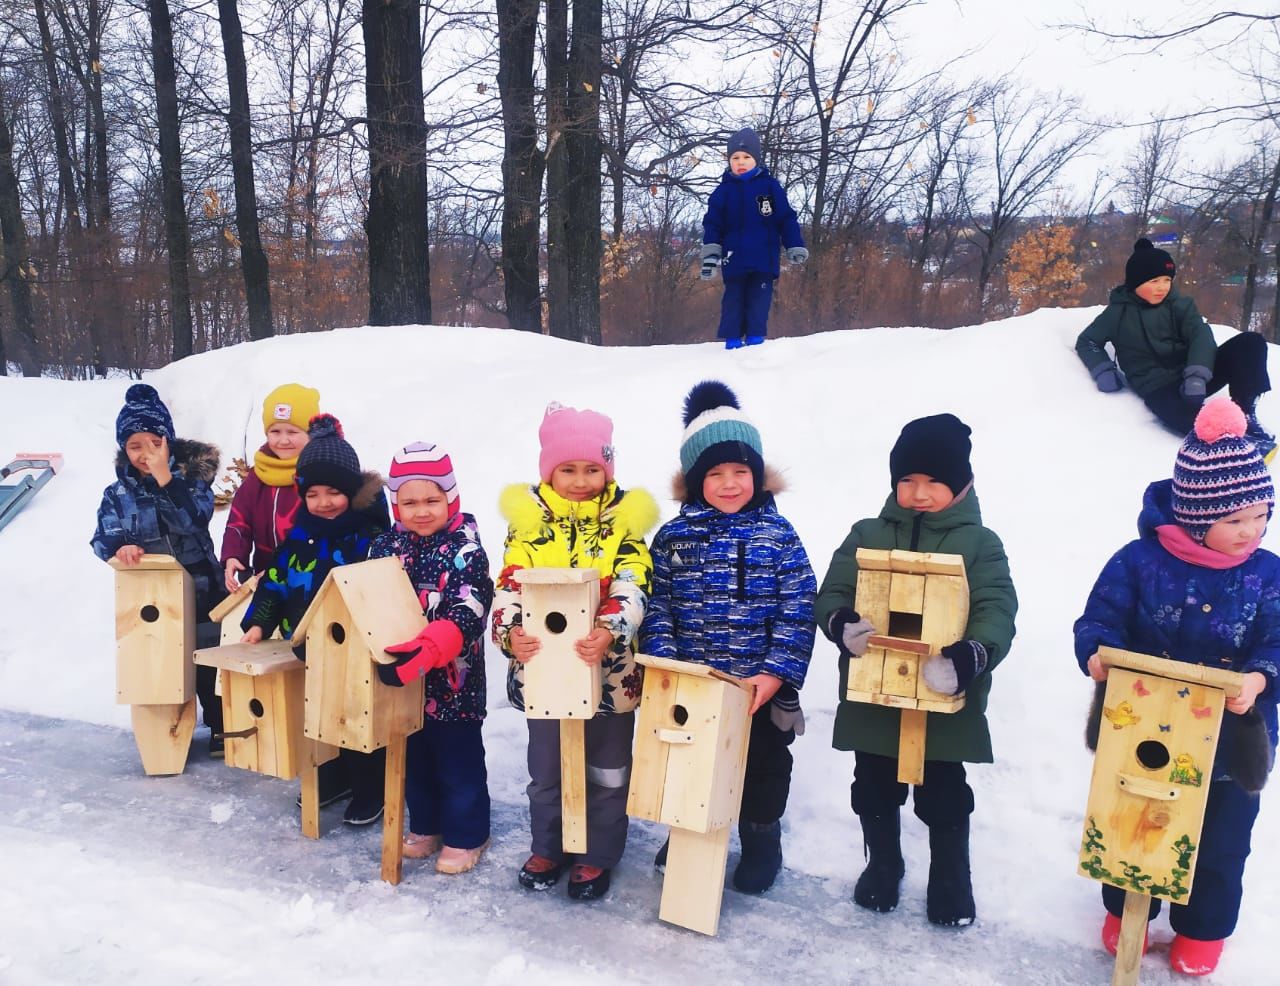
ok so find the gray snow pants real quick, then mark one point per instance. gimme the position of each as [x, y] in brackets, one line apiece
[608, 746]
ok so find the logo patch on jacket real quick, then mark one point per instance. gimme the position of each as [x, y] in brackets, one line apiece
[765, 204]
[686, 553]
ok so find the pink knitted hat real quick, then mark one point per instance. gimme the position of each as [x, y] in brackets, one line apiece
[1218, 471]
[568, 435]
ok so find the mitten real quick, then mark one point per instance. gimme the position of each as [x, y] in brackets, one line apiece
[1195, 383]
[850, 632]
[1107, 377]
[438, 645]
[797, 255]
[710, 260]
[951, 671]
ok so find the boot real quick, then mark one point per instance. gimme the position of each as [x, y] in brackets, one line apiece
[1111, 934]
[588, 882]
[1192, 957]
[761, 856]
[950, 895]
[877, 888]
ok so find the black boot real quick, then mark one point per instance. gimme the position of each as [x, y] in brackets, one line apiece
[761, 856]
[950, 900]
[877, 888]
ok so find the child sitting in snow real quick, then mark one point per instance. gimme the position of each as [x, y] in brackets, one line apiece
[748, 218]
[446, 784]
[161, 503]
[577, 516]
[262, 509]
[733, 589]
[1167, 352]
[341, 511]
[1196, 587]
[932, 507]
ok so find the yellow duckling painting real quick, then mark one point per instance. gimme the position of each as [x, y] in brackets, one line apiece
[1122, 715]
[1185, 771]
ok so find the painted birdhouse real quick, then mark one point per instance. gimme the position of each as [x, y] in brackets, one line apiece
[558, 606]
[1151, 773]
[360, 610]
[690, 757]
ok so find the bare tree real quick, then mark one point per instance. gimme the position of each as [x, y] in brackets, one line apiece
[1150, 172]
[14, 262]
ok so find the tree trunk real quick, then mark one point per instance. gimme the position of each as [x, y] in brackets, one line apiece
[253, 259]
[522, 163]
[13, 270]
[176, 235]
[399, 275]
[582, 154]
[557, 59]
[1255, 248]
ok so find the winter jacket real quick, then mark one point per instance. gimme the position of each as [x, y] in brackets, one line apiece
[170, 520]
[1149, 601]
[313, 547]
[958, 736]
[450, 572]
[261, 516]
[1153, 343]
[751, 219]
[605, 533]
[733, 591]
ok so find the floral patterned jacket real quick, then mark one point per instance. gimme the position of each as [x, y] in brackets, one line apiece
[605, 533]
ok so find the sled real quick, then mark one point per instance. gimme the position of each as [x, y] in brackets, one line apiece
[40, 467]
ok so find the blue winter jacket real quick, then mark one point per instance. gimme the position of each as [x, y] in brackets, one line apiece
[732, 591]
[1149, 601]
[751, 219]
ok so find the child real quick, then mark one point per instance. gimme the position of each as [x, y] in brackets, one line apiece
[733, 588]
[932, 507]
[1167, 351]
[578, 517]
[748, 217]
[263, 507]
[340, 513]
[1196, 587]
[161, 503]
[446, 785]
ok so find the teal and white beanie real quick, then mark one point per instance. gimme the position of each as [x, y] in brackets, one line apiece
[716, 431]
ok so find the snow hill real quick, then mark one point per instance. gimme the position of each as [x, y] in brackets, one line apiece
[110, 877]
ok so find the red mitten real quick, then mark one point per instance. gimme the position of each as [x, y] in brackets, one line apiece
[437, 646]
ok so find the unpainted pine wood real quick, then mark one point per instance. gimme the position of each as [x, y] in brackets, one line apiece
[153, 657]
[873, 559]
[266, 657]
[686, 667]
[556, 576]
[163, 736]
[240, 751]
[911, 739]
[906, 593]
[866, 674]
[649, 762]
[942, 564]
[946, 616]
[693, 887]
[291, 745]
[573, 785]
[393, 811]
[382, 602]
[1229, 681]
[901, 674]
[733, 737]
[871, 597]
[237, 601]
[557, 683]
[1133, 928]
[909, 562]
[311, 800]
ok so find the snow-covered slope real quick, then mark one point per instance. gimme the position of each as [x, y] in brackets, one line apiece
[1060, 469]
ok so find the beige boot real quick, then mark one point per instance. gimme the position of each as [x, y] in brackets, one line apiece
[460, 860]
[420, 846]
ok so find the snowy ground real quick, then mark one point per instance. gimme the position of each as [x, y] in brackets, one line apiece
[111, 877]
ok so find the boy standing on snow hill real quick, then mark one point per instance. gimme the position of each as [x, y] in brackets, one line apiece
[748, 218]
[1167, 352]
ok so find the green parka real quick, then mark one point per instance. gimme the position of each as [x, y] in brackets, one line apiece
[957, 530]
[1153, 343]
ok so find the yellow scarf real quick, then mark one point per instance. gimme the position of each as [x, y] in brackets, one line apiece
[273, 470]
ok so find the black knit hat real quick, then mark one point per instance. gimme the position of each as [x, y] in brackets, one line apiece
[328, 458]
[747, 140]
[1146, 263]
[143, 411]
[936, 446]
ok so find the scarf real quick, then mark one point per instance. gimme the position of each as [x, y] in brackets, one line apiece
[273, 470]
[1181, 545]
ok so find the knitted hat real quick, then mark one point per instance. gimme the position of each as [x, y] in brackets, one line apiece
[1218, 471]
[569, 435]
[143, 411]
[1146, 263]
[291, 404]
[328, 459]
[936, 446]
[421, 460]
[747, 140]
[716, 432]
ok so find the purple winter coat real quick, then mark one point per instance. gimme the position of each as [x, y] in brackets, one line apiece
[261, 516]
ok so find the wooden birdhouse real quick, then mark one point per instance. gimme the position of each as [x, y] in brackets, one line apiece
[1151, 776]
[920, 603]
[558, 606]
[690, 757]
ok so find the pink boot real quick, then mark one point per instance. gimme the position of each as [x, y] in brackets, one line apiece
[420, 846]
[1192, 957]
[1111, 934]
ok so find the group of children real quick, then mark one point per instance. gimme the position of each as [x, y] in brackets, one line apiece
[726, 583]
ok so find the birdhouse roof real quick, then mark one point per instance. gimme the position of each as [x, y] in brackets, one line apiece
[224, 608]
[556, 576]
[266, 657]
[688, 667]
[1229, 681]
[379, 598]
[149, 563]
[910, 562]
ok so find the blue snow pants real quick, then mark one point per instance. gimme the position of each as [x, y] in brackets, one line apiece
[744, 307]
[446, 785]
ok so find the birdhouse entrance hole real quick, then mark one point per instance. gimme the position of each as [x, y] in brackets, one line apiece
[556, 622]
[1152, 754]
[256, 709]
[679, 714]
[150, 614]
[906, 626]
[337, 632]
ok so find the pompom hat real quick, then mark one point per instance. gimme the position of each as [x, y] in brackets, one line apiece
[570, 435]
[143, 411]
[328, 458]
[717, 432]
[422, 460]
[1218, 471]
[290, 404]
[1147, 263]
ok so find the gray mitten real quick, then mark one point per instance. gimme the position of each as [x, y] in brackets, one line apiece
[850, 632]
[1107, 377]
[710, 260]
[797, 255]
[1195, 382]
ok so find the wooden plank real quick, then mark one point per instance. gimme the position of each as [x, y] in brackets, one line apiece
[906, 593]
[733, 738]
[556, 576]
[649, 762]
[688, 667]
[940, 564]
[946, 617]
[871, 598]
[393, 811]
[241, 597]
[240, 751]
[901, 675]
[163, 735]
[866, 675]
[557, 683]
[1133, 931]
[872, 559]
[900, 644]
[311, 800]
[1230, 682]
[946, 706]
[911, 738]
[382, 602]
[573, 785]
[267, 657]
[149, 563]
[693, 888]
[155, 636]
[908, 562]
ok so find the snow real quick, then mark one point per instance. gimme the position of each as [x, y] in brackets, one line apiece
[112, 877]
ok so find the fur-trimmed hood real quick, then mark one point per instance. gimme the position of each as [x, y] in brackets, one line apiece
[195, 460]
[370, 489]
[774, 483]
[528, 508]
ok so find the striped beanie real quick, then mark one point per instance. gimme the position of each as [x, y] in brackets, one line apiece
[716, 431]
[422, 460]
[1218, 471]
